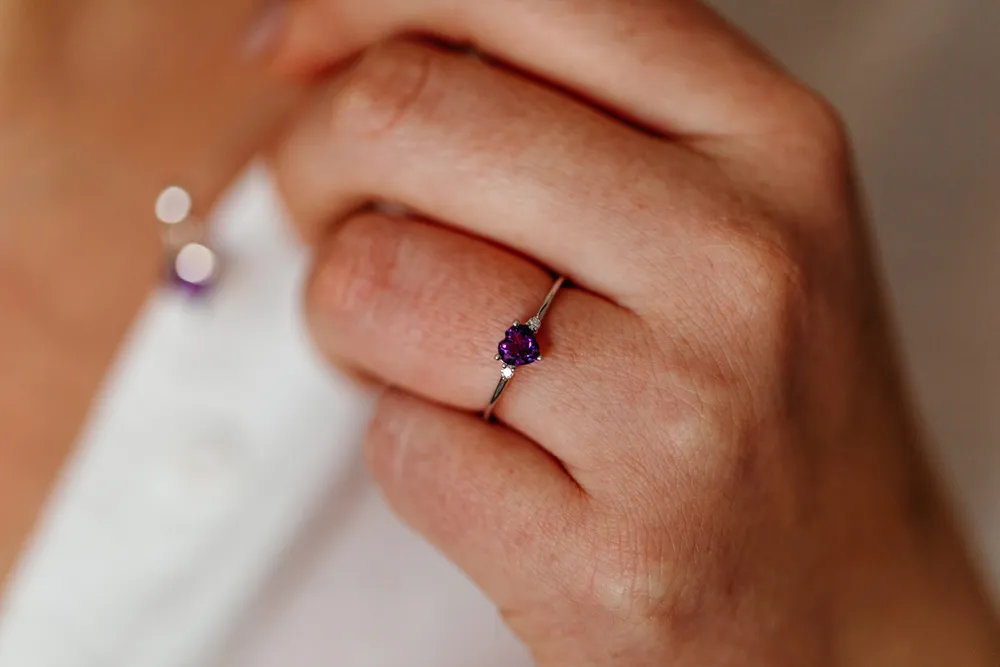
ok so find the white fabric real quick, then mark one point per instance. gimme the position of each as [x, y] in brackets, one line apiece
[172, 541]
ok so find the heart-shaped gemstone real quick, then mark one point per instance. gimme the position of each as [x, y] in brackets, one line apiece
[520, 346]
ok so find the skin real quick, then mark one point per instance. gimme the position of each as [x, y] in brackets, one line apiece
[91, 130]
[715, 464]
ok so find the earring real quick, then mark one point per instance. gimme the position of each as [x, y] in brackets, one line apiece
[191, 265]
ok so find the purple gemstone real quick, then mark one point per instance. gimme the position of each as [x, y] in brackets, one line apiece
[194, 269]
[520, 347]
[188, 287]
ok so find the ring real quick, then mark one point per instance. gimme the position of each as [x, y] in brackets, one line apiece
[520, 347]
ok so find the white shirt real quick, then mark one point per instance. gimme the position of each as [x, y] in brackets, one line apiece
[217, 512]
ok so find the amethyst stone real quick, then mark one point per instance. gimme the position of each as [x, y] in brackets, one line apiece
[194, 269]
[189, 287]
[520, 346]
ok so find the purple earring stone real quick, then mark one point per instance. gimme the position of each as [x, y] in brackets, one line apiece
[194, 269]
[189, 287]
[192, 265]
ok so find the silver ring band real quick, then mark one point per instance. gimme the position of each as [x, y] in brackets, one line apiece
[520, 347]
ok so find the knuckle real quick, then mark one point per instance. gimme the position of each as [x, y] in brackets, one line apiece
[355, 269]
[771, 265]
[768, 286]
[818, 123]
[390, 86]
[630, 578]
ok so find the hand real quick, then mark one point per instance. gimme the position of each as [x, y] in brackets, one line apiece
[715, 464]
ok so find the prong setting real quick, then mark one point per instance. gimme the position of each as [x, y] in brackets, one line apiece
[520, 348]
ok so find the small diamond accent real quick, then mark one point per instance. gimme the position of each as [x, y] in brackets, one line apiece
[534, 324]
[507, 372]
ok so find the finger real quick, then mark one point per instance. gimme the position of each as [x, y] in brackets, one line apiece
[423, 308]
[477, 147]
[494, 503]
[671, 65]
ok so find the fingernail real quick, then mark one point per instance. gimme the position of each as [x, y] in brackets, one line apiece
[266, 30]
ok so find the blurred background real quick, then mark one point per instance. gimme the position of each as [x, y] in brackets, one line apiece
[250, 536]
